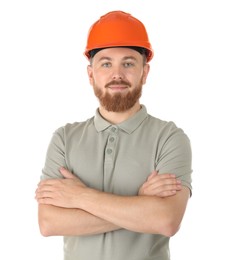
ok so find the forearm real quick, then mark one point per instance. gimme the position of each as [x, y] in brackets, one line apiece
[57, 221]
[146, 214]
[106, 212]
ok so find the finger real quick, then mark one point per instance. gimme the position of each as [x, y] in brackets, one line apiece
[47, 201]
[166, 176]
[153, 174]
[67, 174]
[165, 184]
[167, 188]
[167, 193]
[161, 180]
[48, 182]
[40, 191]
[43, 195]
[161, 188]
[155, 177]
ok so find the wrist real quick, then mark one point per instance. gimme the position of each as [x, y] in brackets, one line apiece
[88, 198]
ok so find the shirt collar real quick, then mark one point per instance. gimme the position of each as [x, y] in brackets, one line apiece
[128, 125]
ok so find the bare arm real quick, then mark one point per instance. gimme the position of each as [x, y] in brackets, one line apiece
[159, 215]
[58, 221]
[66, 219]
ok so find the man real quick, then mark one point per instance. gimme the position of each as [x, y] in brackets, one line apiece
[117, 185]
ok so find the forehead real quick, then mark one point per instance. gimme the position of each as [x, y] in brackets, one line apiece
[119, 53]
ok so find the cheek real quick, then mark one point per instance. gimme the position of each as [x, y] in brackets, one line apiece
[101, 79]
[95, 76]
[139, 78]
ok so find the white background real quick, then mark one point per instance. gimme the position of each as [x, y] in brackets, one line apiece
[43, 85]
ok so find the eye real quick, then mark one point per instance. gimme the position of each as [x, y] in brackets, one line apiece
[128, 64]
[106, 64]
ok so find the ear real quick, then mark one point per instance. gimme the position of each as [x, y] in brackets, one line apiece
[146, 69]
[90, 74]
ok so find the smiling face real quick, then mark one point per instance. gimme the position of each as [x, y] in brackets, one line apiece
[117, 76]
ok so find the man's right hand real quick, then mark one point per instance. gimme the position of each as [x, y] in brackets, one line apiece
[160, 185]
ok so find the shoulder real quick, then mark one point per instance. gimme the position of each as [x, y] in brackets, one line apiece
[170, 139]
[165, 129]
[74, 128]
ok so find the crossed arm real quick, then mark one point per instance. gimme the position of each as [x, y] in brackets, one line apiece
[68, 207]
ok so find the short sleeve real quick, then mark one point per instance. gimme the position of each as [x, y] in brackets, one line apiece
[175, 155]
[55, 156]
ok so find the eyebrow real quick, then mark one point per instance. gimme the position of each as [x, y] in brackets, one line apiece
[130, 58]
[124, 58]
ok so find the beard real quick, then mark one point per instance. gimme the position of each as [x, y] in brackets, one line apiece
[118, 102]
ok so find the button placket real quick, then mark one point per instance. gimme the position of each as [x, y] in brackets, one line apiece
[110, 154]
[110, 147]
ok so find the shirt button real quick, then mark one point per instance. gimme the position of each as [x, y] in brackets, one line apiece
[111, 139]
[113, 129]
[109, 151]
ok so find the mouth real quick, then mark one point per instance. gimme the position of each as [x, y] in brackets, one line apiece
[118, 87]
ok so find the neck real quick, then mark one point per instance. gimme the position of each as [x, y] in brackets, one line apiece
[118, 117]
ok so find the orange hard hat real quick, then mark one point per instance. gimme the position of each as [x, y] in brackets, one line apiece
[116, 29]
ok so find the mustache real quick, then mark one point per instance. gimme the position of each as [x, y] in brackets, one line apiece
[117, 82]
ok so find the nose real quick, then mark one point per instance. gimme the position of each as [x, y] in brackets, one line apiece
[117, 73]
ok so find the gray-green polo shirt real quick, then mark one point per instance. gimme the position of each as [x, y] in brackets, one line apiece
[118, 159]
